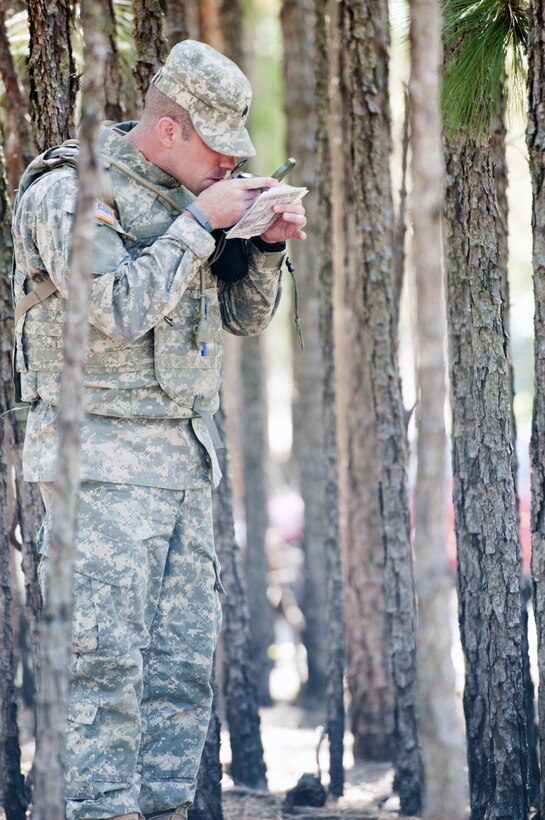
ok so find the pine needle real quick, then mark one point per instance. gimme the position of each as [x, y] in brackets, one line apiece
[485, 43]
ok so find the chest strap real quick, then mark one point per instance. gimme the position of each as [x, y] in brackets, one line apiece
[37, 295]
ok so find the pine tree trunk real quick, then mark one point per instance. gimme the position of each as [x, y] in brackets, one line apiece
[55, 625]
[52, 72]
[12, 795]
[440, 720]
[19, 149]
[369, 670]
[177, 28]
[113, 78]
[536, 145]
[484, 489]
[207, 802]
[308, 432]
[149, 42]
[231, 27]
[254, 453]
[334, 603]
[501, 178]
[380, 593]
[239, 678]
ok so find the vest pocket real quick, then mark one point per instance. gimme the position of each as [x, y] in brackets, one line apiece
[180, 366]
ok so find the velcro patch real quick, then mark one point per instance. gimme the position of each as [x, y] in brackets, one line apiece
[104, 212]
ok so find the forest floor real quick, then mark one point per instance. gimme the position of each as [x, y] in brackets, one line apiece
[290, 738]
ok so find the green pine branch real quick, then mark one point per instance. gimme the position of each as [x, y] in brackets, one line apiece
[485, 45]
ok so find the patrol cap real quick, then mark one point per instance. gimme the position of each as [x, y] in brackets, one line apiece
[214, 91]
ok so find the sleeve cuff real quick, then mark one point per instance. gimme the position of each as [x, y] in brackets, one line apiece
[196, 238]
[268, 247]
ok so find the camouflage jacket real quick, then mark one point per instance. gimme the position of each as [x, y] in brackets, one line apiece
[149, 263]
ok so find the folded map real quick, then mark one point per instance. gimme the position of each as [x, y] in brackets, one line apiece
[260, 216]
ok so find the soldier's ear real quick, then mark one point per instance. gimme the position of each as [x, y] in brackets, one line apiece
[166, 131]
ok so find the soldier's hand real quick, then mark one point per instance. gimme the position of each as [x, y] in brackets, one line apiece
[225, 202]
[289, 225]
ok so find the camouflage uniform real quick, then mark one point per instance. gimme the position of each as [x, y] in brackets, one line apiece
[146, 614]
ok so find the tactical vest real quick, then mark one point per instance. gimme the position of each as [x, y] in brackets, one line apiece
[178, 362]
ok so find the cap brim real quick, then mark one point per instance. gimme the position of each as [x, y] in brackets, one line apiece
[234, 143]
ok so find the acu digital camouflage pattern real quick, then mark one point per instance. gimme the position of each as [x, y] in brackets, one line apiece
[146, 620]
[143, 362]
[146, 613]
[214, 91]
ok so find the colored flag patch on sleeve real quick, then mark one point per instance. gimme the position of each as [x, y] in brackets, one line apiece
[104, 212]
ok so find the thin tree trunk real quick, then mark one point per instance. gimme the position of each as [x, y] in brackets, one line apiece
[380, 594]
[55, 626]
[19, 149]
[12, 795]
[254, 453]
[335, 641]
[484, 490]
[149, 42]
[113, 79]
[536, 145]
[231, 16]
[53, 77]
[239, 679]
[177, 27]
[440, 720]
[210, 23]
[308, 432]
[207, 802]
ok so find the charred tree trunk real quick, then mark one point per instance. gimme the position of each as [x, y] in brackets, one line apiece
[440, 719]
[53, 78]
[308, 431]
[334, 604]
[239, 679]
[536, 147]
[207, 802]
[55, 625]
[484, 488]
[149, 42]
[380, 592]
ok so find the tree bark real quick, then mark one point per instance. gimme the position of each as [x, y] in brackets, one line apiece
[55, 625]
[207, 802]
[239, 678]
[52, 73]
[536, 146]
[113, 79]
[149, 42]
[12, 795]
[177, 27]
[380, 593]
[334, 604]
[19, 148]
[308, 432]
[255, 453]
[484, 488]
[440, 720]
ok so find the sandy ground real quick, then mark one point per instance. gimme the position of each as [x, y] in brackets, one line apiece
[290, 738]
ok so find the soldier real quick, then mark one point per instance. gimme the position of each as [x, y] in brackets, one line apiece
[146, 610]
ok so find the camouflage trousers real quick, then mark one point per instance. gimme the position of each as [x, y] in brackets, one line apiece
[145, 624]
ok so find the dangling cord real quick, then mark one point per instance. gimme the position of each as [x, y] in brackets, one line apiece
[296, 316]
[201, 329]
